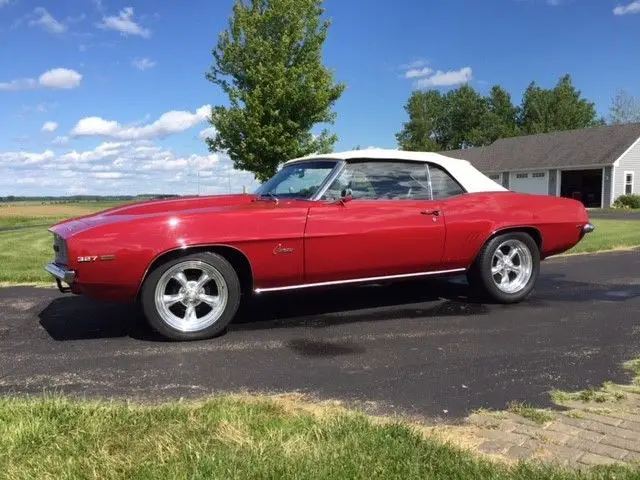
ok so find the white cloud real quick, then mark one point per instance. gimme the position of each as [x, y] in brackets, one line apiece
[418, 72]
[60, 140]
[207, 133]
[124, 24]
[57, 78]
[46, 21]
[4, 2]
[143, 63]
[60, 78]
[128, 167]
[446, 79]
[25, 158]
[19, 84]
[631, 8]
[50, 127]
[111, 175]
[169, 123]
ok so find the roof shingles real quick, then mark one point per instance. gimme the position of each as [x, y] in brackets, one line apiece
[588, 147]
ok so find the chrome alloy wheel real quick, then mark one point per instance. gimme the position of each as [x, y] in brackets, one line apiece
[512, 266]
[191, 296]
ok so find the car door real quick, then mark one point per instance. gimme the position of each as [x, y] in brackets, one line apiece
[388, 224]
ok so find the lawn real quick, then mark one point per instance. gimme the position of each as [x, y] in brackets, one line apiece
[610, 234]
[233, 437]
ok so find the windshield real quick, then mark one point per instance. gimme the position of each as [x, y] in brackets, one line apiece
[298, 180]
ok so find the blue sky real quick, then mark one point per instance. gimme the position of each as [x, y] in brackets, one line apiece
[109, 96]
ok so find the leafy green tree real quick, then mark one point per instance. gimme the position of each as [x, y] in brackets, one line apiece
[444, 122]
[462, 123]
[557, 109]
[624, 109]
[501, 119]
[269, 64]
[422, 132]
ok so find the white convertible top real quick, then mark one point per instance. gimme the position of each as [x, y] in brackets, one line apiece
[469, 177]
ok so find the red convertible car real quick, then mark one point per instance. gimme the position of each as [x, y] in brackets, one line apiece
[335, 219]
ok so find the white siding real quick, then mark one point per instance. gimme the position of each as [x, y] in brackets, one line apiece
[628, 162]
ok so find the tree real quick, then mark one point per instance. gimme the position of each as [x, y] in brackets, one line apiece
[423, 130]
[624, 109]
[444, 122]
[462, 122]
[501, 119]
[269, 64]
[557, 109]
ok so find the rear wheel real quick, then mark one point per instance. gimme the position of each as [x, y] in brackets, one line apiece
[192, 297]
[507, 268]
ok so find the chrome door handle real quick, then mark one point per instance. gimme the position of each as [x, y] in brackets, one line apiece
[435, 213]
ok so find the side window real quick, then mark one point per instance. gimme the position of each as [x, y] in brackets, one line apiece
[382, 181]
[442, 184]
[628, 183]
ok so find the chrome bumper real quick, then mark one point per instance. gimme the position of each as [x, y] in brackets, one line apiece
[588, 228]
[61, 275]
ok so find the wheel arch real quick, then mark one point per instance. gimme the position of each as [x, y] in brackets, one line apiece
[533, 232]
[236, 257]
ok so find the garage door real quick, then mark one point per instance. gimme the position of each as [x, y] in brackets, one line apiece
[530, 182]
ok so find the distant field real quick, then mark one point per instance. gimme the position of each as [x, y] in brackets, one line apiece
[24, 214]
[35, 209]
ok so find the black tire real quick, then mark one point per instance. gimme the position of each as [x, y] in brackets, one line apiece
[483, 282]
[161, 322]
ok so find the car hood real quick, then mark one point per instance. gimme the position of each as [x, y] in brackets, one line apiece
[179, 207]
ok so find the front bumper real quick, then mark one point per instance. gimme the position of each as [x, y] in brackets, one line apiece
[588, 228]
[61, 274]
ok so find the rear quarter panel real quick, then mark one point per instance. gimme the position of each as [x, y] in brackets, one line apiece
[472, 219]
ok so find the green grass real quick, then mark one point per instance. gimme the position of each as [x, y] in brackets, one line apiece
[534, 414]
[24, 253]
[29, 221]
[229, 437]
[609, 235]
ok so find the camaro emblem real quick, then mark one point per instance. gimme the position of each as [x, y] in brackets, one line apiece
[280, 249]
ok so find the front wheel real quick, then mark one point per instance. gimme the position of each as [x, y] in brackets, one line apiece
[192, 297]
[507, 267]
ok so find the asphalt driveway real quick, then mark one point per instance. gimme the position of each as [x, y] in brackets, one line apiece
[418, 348]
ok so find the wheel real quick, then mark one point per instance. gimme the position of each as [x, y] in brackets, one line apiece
[506, 268]
[192, 297]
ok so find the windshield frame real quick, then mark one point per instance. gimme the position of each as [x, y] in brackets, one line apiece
[328, 180]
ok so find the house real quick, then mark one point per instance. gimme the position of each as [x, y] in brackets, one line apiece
[593, 165]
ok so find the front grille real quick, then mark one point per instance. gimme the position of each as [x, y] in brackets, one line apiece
[60, 247]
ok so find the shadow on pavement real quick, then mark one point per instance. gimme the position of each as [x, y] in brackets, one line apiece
[77, 318]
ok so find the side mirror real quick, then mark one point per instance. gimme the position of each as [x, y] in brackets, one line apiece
[345, 199]
[346, 196]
